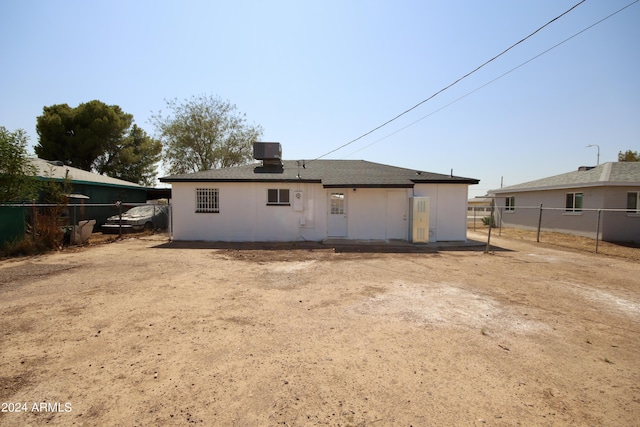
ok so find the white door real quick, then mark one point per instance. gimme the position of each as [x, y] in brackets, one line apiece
[337, 221]
[397, 224]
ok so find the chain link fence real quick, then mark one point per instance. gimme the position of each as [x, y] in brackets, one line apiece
[611, 225]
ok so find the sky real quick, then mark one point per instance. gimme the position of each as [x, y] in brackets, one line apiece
[319, 74]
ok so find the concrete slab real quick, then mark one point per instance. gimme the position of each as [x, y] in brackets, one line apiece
[403, 245]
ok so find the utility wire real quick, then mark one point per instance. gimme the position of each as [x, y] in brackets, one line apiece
[452, 84]
[495, 79]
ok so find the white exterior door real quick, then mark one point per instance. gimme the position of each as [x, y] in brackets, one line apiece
[397, 205]
[337, 218]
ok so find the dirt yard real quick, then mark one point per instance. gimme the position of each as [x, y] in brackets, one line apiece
[142, 332]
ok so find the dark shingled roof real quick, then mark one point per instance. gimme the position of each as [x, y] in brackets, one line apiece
[611, 174]
[330, 173]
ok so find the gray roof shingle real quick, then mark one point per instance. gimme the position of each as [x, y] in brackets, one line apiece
[611, 173]
[330, 173]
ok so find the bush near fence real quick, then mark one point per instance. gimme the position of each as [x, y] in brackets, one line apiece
[49, 221]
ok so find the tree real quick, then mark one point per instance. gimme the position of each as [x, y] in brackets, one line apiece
[204, 133]
[628, 156]
[97, 137]
[17, 173]
[79, 136]
[134, 160]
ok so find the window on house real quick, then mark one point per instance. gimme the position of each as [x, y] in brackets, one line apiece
[573, 202]
[207, 200]
[510, 204]
[633, 202]
[337, 203]
[278, 196]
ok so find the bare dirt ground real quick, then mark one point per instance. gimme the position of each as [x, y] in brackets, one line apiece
[142, 332]
[567, 242]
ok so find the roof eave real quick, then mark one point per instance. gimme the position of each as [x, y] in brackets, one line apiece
[133, 186]
[468, 181]
[367, 185]
[169, 179]
[566, 187]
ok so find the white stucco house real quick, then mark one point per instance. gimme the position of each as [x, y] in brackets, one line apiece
[279, 200]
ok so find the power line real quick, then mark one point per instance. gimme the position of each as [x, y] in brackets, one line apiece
[495, 79]
[454, 83]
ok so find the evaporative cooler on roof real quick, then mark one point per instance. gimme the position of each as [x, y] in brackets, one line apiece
[267, 151]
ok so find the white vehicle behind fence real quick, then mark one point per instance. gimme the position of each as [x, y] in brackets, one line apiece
[139, 218]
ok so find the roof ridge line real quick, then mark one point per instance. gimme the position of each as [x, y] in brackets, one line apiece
[606, 172]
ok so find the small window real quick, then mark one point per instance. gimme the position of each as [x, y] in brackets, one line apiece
[207, 200]
[573, 202]
[633, 202]
[278, 196]
[337, 203]
[510, 204]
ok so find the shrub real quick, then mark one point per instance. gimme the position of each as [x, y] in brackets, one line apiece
[487, 219]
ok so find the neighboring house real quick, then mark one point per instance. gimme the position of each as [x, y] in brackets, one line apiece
[316, 200]
[100, 189]
[480, 204]
[577, 196]
[478, 208]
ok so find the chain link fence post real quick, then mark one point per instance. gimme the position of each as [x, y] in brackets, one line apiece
[598, 230]
[493, 203]
[539, 224]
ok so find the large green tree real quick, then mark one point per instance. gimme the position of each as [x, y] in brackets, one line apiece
[134, 159]
[204, 132]
[17, 173]
[628, 156]
[98, 137]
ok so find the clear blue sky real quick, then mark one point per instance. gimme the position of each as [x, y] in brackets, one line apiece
[317, 74]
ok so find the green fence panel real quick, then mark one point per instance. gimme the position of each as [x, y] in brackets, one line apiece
[12, 225]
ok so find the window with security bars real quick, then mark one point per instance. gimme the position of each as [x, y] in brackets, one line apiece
[573, 202]
[207, 200]
[633, 202]
[278, 196]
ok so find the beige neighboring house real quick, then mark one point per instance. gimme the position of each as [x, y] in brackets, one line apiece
[480, 205]
[478, 208]
[576, 197]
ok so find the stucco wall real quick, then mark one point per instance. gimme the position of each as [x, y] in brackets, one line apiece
[447, 210]
[374, 213]
[620, 226]
[244, 214]
[526, 213]
[614, 226]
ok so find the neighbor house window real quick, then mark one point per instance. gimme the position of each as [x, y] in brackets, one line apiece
[207, 200]
[633, 202]
[510, 204]
[573, 202]
[278, 196]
